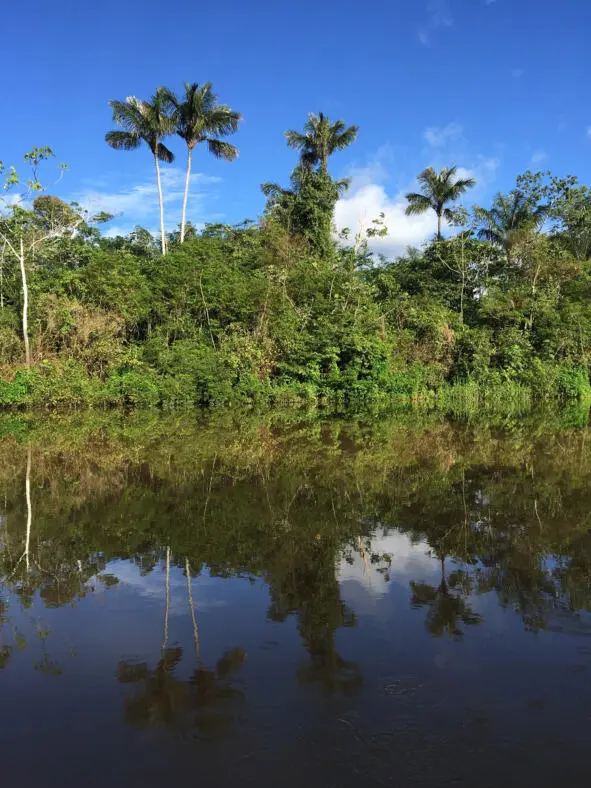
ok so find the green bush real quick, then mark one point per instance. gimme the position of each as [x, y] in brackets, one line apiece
[16, 391]
[573, 383]
[138, 388]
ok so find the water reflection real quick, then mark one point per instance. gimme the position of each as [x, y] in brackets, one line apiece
[347, 559]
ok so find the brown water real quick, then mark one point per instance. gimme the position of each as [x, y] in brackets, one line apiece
[288, 601]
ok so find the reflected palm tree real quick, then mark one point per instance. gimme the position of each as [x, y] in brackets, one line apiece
[162, 698]
[447, 607]
[192, 609]
[199, 703]
[29, 507]
[166, 599]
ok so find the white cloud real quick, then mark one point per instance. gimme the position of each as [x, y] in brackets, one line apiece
[152, 586]
[368, 197]
[138, 204]
[438, 137]
[538, 156]
[409, 561]
[367, 201]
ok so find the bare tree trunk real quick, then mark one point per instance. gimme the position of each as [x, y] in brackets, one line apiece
[2, 276]
[25, 304]
[192, 606]
[186, 195]
[161, 202]
[29, 508]
[167, 600]
[438, 226]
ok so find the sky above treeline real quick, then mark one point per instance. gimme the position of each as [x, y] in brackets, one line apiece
[494, 86]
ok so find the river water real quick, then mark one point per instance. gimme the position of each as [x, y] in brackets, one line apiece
[295, 600]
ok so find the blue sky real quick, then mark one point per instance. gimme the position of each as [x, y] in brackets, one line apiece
[495, 86]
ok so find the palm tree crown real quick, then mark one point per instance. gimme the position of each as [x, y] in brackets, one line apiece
[438, 190]
[509, 219]
[147, 122]
[198, 118]
[321, 139]
[142, 121]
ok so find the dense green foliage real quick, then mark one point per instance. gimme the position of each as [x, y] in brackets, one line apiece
[282, 310]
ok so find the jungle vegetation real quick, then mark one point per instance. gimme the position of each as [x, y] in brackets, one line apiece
[284, 309]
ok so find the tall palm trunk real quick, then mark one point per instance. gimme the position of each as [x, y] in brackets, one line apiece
[439, 225]
[166, 601]
[192, 608]
[186, 195]
[161, 202]
[25, 303]
[29, 508]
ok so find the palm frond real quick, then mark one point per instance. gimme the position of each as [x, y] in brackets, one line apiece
[123, 140]
[222, 121]
[270, 189]
[459, 187]
[345, 138]
[164, 154]
[447, 174]
[342, 186]
[427, 177]
[169, 98]
[417, 204]
[127, 113]
[222, 150]
[492, 236]
[296, 140]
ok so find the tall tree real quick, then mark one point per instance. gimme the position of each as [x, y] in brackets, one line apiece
[307, 208]
[200, 119]
[509, 219]
[145, 122]
[24, 232]
[439, 189]
[321, 139]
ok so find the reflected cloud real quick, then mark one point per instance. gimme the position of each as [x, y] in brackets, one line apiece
[152, 585]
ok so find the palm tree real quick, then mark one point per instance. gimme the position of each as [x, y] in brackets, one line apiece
[446, 610]
[148, 122]
[321, 139]
[199, 118]
[439, 189]
[510, 218]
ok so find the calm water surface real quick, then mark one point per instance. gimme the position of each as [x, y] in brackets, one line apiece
[288, 601]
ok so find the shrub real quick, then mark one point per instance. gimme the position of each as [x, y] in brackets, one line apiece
[573, 383]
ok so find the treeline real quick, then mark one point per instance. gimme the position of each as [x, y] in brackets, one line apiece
[495, 305]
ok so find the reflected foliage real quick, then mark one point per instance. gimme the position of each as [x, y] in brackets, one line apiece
[204, 703]
[502, 508]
